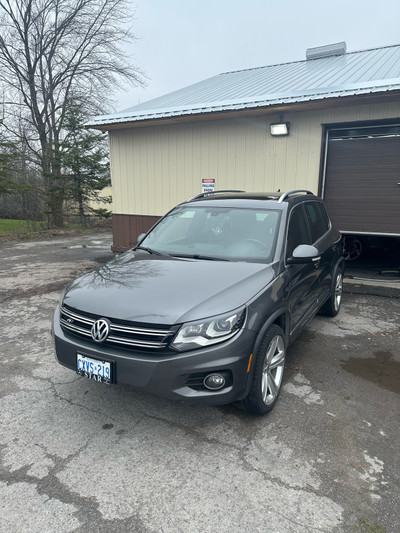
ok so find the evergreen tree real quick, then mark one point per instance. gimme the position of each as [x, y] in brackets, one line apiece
[85, 165]
[8, 169]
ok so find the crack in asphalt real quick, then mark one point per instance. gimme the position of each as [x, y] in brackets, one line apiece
[88, 512]
[71, 402]
[87, 508]
[199, 437]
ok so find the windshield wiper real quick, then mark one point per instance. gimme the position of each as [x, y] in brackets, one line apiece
[199, 256]
[150, 250]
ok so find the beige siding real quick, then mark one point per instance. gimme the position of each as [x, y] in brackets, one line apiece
[154, 168]
[105, 193]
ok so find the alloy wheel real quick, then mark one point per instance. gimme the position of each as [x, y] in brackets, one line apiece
[338, 291]
[273, 367]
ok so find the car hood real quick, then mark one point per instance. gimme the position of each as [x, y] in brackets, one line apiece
[165, 290]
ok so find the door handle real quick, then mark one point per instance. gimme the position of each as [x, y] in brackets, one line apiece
[316, 261]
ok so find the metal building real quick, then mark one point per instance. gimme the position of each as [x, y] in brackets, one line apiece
[338, 115]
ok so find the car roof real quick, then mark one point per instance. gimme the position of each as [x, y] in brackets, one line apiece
[248, 199]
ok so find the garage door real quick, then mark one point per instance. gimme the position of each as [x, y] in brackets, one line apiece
[362, 180]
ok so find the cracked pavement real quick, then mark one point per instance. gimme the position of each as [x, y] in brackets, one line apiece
[80, 456]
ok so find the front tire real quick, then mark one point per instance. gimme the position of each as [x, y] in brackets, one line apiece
[268, 373]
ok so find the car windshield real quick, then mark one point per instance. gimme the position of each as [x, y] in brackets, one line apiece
[215, 233]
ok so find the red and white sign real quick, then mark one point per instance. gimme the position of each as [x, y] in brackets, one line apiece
[207, 185]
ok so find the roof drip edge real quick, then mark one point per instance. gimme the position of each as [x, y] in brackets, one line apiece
[236, 105]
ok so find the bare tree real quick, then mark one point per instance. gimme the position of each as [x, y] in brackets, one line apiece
[51, 50]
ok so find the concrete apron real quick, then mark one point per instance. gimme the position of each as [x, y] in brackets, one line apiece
[382, 283]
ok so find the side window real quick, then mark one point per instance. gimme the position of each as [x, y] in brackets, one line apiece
[326, 223]
[298, 230]
[318, 219]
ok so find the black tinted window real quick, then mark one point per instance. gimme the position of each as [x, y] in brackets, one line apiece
[298, 230]
[318, 219]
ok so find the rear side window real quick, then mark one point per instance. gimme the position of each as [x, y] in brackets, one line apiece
[317, 218]
[298, 230]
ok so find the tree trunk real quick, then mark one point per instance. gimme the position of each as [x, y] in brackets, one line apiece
[53, 183]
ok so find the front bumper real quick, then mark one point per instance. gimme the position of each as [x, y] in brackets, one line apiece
[167, 375]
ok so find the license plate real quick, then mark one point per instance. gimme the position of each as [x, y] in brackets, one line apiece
[93, 369]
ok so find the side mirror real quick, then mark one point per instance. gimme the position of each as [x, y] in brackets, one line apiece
[140, 238]
[304, 253]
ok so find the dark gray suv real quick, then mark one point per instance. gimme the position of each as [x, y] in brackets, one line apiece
[204, 307]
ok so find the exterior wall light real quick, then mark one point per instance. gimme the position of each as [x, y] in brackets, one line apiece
[281, 128]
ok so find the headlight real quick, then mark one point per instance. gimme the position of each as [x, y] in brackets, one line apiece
[209, 331]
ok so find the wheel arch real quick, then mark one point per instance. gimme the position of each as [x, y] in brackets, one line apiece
[258, 384]
[340, 265]
[281, 318]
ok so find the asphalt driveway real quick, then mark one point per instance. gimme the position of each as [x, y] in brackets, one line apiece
[77, 455]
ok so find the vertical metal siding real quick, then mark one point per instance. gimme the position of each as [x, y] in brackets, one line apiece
[154, 168]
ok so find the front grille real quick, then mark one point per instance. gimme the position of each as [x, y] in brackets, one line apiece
[123, 334]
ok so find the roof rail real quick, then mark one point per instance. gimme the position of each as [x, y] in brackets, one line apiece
[287, 194]
[211, 193]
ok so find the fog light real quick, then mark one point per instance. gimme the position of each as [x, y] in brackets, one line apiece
[214, 381]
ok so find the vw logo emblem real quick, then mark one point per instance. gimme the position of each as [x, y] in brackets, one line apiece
[100, 330]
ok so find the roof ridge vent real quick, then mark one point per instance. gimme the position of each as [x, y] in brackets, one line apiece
[336, 49]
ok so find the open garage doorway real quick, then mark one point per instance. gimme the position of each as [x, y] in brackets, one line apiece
[372, 257]
[361, 188]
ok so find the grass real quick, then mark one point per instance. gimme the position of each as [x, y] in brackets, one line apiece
[11, 226]
[12, 229]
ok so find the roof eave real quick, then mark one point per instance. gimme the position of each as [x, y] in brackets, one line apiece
[209, 114]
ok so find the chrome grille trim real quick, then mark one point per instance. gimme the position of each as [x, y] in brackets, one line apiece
[74, 316]
[75, 329]
[144, 344]
[140, 331]
[120, 335]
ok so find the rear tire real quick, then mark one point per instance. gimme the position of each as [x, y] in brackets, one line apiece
[332, 306]
[268, 373]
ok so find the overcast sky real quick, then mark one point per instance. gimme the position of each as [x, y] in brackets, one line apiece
[181, 42]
